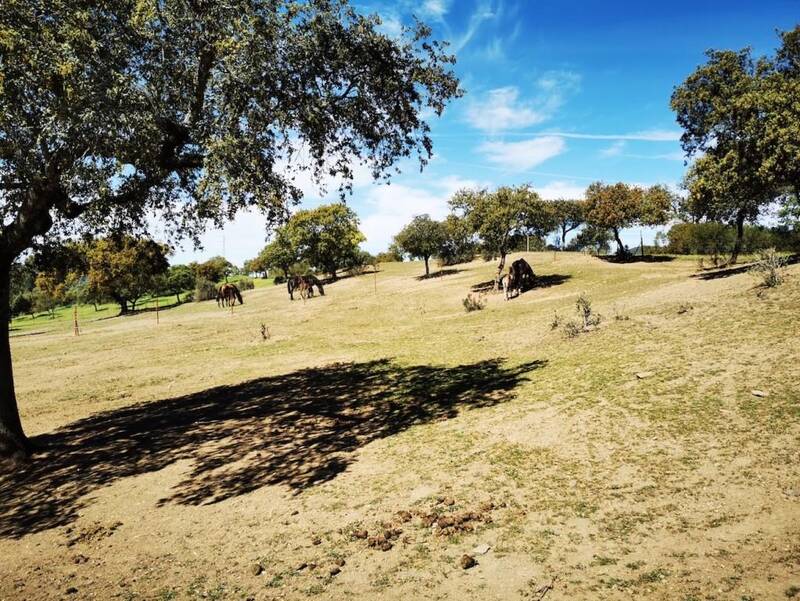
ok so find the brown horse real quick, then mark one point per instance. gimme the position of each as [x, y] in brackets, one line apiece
[228, 294]
[519, 278]
[294, 282]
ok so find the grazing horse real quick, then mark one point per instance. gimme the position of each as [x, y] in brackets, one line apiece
[228, 294]
[307, 281]
[519, 278]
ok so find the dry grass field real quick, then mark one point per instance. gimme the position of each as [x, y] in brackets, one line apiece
[381, 432]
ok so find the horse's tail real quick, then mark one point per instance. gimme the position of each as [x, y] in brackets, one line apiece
[238, 294]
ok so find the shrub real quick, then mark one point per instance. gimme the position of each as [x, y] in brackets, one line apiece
[474, 302]
[588, 319]
[556, 321]
[204, 290]
[279, 279]
[769, 268]
[245, 283]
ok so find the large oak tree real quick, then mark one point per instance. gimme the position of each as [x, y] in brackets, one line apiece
[741, 117]
[192, 110]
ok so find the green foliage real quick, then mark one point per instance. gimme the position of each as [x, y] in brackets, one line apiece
[22, 304]
[618, 206]
[392, 255]
[592, 238]
[496, 217]
[244, 283]
[422, 238]
[569, 215]
[327, 237]
[713, 238]
[48, 293]
[180, 278]
[743, 117]
[204, 290]
[458, 244]
[216, 269]
[124, 268]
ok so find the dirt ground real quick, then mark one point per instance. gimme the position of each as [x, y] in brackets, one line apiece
[381, 433]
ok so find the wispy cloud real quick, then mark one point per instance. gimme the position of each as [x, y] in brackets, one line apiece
[389, 208]
[435, 8]
[483, 12]
[502, 108]
[561, 189]
[614, 150]
[522, 155]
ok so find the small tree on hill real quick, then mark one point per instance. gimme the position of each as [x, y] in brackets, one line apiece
[497, 216]
[216, 269]
[422, 239]
[125, 269]
[569, 215]
[618, 206]
[48, 293]
[327, 237]
[179, 278]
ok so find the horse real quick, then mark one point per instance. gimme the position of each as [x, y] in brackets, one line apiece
[524, 273]
[294, 282]
[510, 283]
[519, 278]
[228, 294]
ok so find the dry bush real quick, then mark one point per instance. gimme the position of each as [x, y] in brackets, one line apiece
[474, 302]
[769, 268]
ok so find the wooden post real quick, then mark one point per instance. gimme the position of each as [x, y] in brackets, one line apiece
[75, 330]
[156, 310]
[375, 278]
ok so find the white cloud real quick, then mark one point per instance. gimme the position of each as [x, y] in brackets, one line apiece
[522, 155]
[482, 13]
[653, 135]
[502, 108]
[390, 207]
[614, 150]
[391, 25]
[435, 8]
[561, 189]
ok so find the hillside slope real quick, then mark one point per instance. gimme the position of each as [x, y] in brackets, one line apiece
[633, 459]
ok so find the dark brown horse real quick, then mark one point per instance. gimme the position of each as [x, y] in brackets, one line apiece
[519, 278]
[307, 282]
[228, 294]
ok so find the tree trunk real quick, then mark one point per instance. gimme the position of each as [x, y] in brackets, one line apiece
[563, 237]
[13, 442]
[178, 296]
[737, 245]
[427, 271]
[500, 270]
[620, 246]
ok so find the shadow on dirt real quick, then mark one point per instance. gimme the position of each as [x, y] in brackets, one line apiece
[636, 258]
[539, 281]
[437, 274]
[297, 430]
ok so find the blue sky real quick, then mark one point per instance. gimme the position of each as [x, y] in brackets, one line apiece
[558, 94]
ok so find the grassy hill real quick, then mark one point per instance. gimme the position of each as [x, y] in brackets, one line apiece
[633, 459]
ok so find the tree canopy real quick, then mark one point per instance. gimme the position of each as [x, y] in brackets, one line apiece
[125, 268]
[422, 239]
[741, 116]
[569, 215]
[617, 206]
[327, 237]
[111, 112]
[497, 216]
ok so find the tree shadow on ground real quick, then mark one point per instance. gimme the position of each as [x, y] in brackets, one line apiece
[539, 281]
[726, 272]
[437, 274]
[636, 258]
[298, 430]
